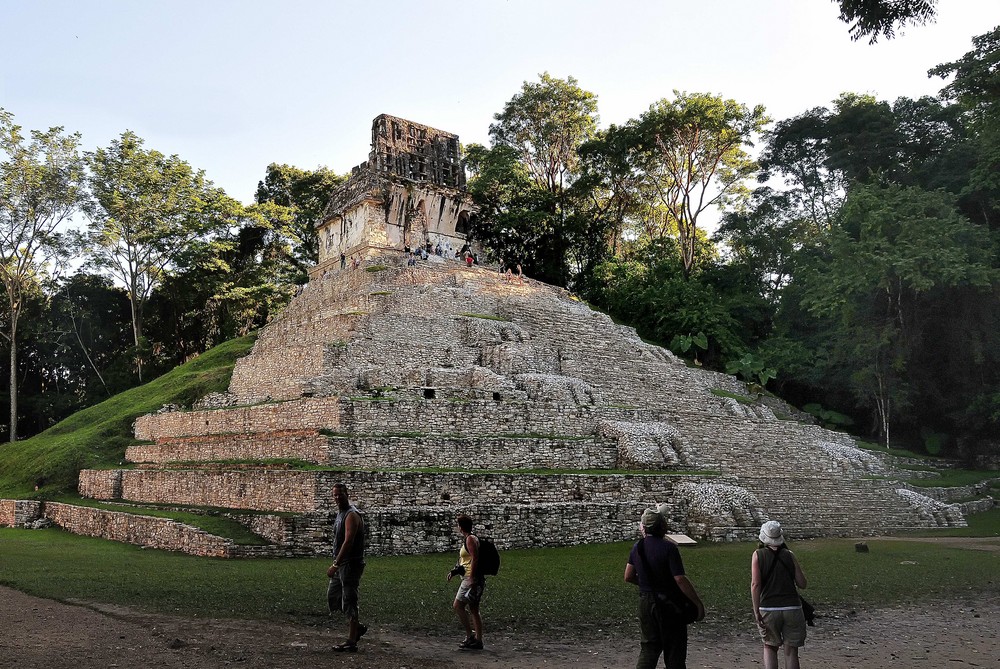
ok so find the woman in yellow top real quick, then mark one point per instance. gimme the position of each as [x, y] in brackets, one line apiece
[470, 592]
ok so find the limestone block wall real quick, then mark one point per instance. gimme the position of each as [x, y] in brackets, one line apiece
[835, 505]
[952, 494]
[308, 445]
[403, 530]
[259, 490]
[100, 483]
[750, 447]
[303, 414]
[385, 451]
[479, 417]
[288, 531]
[279, 376]
[19, 512]
[135, 529]
[307, 491]
[475, 453]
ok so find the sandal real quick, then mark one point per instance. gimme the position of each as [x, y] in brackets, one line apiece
[346, 647]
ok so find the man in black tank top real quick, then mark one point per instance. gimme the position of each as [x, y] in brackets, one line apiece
[348, 565]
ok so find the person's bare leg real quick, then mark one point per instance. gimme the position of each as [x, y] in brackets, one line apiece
[770, 657]
[477, 621]
[791, 657]
[463, 616]
[352, 630]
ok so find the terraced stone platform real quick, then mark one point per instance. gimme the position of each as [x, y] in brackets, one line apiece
[439, 389]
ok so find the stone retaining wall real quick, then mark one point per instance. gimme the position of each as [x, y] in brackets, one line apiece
[406, 530]
[19, 512]
[147, 531]
[473, 453]
[259, 490]
[307, 445]
[303, 414]
[305, 491]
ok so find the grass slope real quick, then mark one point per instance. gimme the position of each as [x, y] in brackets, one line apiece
[97, 436]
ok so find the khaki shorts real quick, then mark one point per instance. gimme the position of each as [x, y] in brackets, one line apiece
[784, 628]
[471, 592]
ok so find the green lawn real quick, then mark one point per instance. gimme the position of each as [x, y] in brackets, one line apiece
[578, 587]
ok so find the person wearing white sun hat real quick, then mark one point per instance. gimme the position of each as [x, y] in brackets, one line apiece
[774, 575]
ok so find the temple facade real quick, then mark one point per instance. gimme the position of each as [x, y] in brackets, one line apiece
[411, 192]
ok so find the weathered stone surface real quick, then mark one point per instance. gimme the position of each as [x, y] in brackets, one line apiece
[19, 513]
[410, 193]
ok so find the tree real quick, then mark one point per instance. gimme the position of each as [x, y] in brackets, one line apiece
[148, 208]
[306, 193]
[764, 238]
[528, 212]
[613, 185]
[976, 81]
[975, 86]
[546, 123]
[224, 287]
[893, 249]
[516, 223]
[78, 353]
[880, 18]
[798, 149]
[40, 188]
[822, 153]
[708, 309]
[700, 160]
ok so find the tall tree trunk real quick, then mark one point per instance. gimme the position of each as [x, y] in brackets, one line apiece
[13, 376]
[136, 331]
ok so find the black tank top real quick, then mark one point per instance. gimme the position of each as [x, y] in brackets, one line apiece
[777, 567]
[357, 550]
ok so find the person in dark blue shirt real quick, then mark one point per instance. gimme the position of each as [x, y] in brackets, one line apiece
[655, 565]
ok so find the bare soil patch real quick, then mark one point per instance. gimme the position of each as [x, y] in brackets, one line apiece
[44, 634]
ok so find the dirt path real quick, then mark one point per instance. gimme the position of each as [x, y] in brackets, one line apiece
[43, 634]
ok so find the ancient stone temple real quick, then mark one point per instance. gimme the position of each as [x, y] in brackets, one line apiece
[436, 389]
[411, 192]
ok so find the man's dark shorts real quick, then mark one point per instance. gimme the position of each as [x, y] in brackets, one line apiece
[342, 593]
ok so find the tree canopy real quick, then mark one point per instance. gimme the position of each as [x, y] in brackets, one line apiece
[881, 18]
[147, 210]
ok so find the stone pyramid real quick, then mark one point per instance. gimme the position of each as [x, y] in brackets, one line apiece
[436, 389]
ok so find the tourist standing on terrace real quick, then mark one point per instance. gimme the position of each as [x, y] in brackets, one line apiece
[470, 592]
[655, 566]
[348, 565]
[777, 607]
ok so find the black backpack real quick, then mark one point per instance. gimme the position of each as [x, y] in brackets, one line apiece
[489, 557]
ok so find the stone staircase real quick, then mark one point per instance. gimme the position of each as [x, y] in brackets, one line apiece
[443, 389]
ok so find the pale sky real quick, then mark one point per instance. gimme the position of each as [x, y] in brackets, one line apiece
[233, 85]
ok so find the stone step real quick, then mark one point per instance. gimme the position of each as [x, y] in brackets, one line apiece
[309, 491]
[380, 451]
